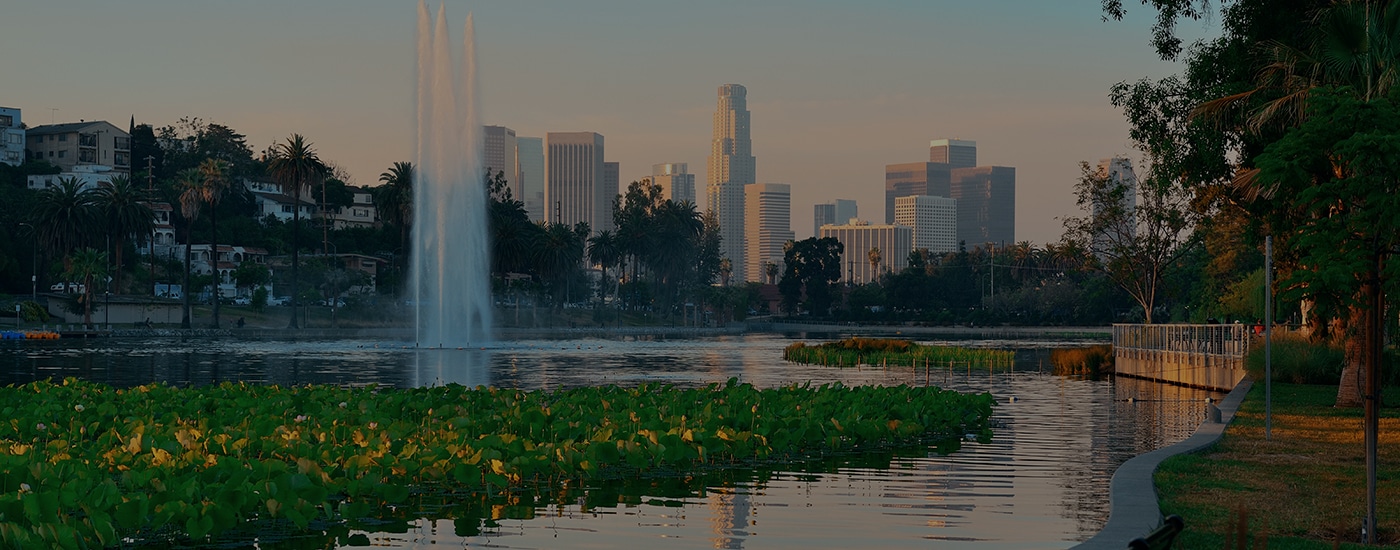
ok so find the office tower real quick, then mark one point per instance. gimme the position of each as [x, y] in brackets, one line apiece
[838, 212]
[730, 167]
[859, 237]
[612, 174]
[914, 178]
[768, 213]
[1118, 172]
[530, 152]
[986, 198]
[956, 153]
[574, 177]
[499, 155]
[677, 184]
[933, 219]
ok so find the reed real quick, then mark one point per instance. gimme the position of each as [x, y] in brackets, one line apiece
[853, 352]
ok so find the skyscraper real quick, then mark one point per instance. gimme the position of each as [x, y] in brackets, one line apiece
[768, 213]
[986, 198]
[859, 238]
[500, 156]
[956, 153]
[730, 168]
[574, 177]
[933, 219]
[837, 212]
[914, 178]
[1118, 171]
[530, 152]
[677, 184]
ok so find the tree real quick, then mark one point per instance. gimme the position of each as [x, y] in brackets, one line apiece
[189, 182]
[874, 256]
[770, 270]
[296, 166]
[394, 200]
[812, 266]
[65, 216]
[603, 250]
[251, 274]
[214, 183]
[1133, 244]
[125, 213]
[87, 265]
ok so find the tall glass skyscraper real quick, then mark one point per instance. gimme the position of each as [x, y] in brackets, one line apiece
[730, 168]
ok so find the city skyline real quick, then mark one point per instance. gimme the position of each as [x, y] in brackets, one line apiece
[835, 94]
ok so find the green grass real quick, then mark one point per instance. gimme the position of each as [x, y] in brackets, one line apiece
[1304, 488]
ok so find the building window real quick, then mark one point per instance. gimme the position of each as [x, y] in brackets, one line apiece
[50, 154]
[7, 120]
[84, 155]
[286, 209]
[123, 143]
[62, 154]
[63, 137]
[122, 159]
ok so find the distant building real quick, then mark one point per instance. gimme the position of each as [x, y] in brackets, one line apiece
[499, 155]
[202, 262]
[986, 198]
[836, 212]
[933, 219]
[11, 136]
[162, 236]
[859, 238]
[915, 178]
[731, 166]
[270, 200]
[360, 213]
[955, 153]
[676, 182]
[768, 213]
[612, 179]
[89, 176]
[574, 189]
[530, 153]
[75, 144]
[1118, 172]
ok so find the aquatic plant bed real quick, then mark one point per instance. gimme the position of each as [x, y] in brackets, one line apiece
[85, 464]
[853, 352]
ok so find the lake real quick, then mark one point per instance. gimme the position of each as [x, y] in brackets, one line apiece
[1042, 482]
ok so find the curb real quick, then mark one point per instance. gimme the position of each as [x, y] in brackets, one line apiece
[1132, 500]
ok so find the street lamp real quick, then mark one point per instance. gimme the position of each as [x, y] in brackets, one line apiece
[34, 265]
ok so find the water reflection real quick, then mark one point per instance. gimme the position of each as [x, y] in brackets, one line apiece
[1042, 481]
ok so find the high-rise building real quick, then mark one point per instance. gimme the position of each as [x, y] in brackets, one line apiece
[956, 153]
[730, 167]
[676, 183]
[933, 219]
[768, 213]
[500, 156]
[530, 152]
[837, 212]
[1118, 172]
[574, 185]
[986, 198]
[860, 238]
[612, 176]
[914, 178]
[11, 137]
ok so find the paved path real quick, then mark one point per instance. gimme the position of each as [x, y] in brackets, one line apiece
[1132, 500]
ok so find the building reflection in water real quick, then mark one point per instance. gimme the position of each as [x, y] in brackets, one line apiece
[729, 516]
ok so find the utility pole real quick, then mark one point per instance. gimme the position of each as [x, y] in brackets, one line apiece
[1268, 336]
[151, 194]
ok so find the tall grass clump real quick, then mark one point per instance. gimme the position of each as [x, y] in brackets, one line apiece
[1297, 360]
[1092, 361]
[853, 352]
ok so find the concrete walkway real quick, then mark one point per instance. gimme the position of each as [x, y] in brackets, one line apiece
[1132, 500]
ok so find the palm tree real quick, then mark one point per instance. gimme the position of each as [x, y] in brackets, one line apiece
[770, 269]
[87, 265]
[874, 256]
[726, 270]
[124, 208]
[213, 174]
[189, 182]
[296, 166]
[394, 199]
[604, 251]
[65, 216]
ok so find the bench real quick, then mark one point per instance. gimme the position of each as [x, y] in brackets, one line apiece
[1160, 538]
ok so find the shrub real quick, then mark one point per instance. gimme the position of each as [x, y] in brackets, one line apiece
[1297, 360]
[1092, 361]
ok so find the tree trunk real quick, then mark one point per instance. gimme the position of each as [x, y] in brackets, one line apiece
[1360, 332]
[117, 273]
[296, 230]
[185, 321]
[214, 257]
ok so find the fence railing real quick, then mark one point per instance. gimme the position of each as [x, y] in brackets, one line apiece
[1210, 356]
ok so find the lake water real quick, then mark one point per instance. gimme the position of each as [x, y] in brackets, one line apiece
[1042, 482]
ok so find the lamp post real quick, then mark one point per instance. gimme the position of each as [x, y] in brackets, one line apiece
[34, 263]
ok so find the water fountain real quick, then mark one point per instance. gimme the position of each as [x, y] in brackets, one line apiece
[450, 253]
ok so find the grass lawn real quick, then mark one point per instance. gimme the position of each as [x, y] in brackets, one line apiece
[1305, 488]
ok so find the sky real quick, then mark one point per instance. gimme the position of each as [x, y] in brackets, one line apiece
[836, 90]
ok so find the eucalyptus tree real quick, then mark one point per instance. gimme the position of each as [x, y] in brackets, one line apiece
[66, 216]
[126, 213]
[189, 183]
[214, 183]
[296, 166]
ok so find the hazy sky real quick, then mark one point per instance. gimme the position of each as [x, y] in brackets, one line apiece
[836, 89]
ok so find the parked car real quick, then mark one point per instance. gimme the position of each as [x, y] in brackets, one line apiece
[71, 288]
[279, 301]
[243, 301]
[337, 303]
